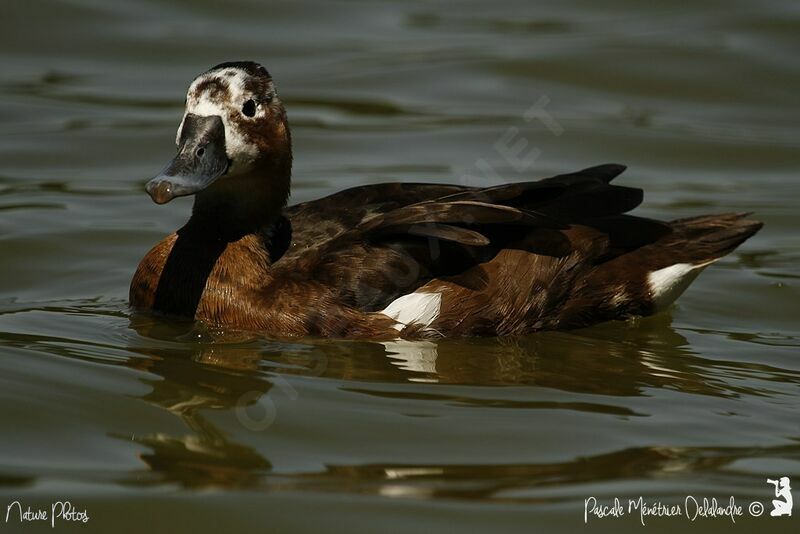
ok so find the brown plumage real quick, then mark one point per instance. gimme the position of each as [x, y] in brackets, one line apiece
[557, 253]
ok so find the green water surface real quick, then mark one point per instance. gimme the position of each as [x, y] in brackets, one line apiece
[156, 426]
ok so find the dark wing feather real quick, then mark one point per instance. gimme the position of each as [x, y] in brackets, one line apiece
[604, 173]
[430, 231]
[318, 221]
[465, 212]
[585, 193]
[595, 201]
[445, 232]
[460, 214]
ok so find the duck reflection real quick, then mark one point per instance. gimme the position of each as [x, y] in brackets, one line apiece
[533, 482]
[190, 382]
[615, 359]
[209, 371]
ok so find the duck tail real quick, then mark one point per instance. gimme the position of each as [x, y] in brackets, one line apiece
[707, 238]
[694, 244]
[651, 277]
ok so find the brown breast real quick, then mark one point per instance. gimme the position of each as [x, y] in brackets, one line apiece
[232, 284]
[190, 275]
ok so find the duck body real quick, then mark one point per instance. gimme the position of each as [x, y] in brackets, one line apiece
[398, 259]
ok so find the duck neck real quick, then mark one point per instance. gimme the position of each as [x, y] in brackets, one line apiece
[241, 205]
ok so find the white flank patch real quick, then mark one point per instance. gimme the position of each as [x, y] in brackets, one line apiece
[669, 283]
[414, 308]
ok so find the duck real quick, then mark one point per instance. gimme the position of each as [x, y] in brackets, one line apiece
[399, 260]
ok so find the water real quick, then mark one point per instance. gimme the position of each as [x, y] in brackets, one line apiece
[163, 426]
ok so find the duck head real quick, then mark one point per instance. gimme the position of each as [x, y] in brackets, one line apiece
[234, 147]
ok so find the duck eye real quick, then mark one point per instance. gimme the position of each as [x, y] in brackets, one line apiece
[249, 108]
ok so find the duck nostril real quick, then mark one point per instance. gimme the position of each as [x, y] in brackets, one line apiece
[200, 152]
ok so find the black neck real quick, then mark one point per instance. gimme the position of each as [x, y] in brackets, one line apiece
[237, 206]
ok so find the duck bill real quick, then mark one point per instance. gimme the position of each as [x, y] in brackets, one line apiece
[201, 159]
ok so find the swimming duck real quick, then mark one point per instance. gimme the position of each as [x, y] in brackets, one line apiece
[399, 259]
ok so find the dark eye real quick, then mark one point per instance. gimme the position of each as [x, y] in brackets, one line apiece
[249, 108]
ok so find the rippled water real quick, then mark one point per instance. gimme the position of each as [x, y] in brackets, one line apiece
[158, 426]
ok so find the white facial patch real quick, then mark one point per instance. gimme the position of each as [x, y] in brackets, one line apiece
[414, 309]
[669, 283]
[241, 152]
